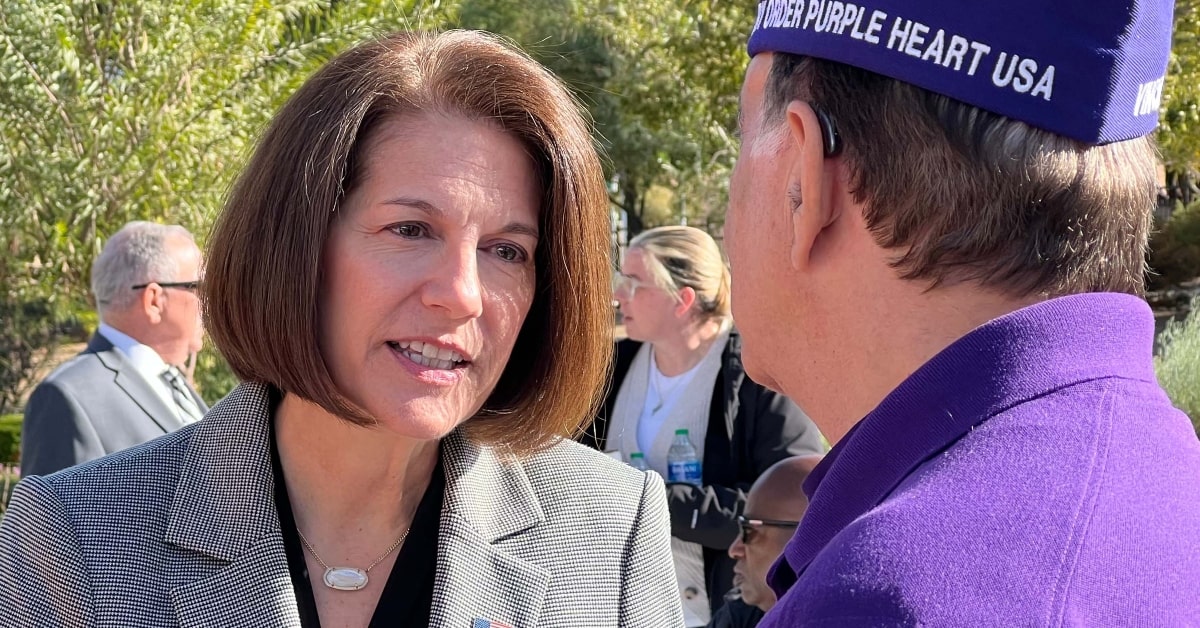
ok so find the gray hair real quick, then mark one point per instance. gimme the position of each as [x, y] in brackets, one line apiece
[134, 255]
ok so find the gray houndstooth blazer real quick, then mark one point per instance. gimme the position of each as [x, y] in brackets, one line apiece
[183, 531]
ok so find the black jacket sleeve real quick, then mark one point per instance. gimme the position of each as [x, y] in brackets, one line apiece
[789, 432]
[705, 514]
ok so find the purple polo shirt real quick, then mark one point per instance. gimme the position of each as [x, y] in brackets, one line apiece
[1032, 473]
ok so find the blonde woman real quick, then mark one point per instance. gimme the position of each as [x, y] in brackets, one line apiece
[681, 368]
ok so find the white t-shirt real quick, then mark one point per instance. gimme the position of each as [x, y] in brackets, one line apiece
[662, 394]
[663, 401]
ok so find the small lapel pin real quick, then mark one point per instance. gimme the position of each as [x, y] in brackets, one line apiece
[480, 622]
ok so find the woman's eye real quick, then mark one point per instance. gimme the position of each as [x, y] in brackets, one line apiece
[408, 230]
[510, 253]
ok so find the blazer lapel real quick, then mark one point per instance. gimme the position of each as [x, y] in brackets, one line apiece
[133, 384]
[255, 589]
[488, 500]
[224, 509]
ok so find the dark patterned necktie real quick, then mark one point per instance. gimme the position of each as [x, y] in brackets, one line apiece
[188, 410]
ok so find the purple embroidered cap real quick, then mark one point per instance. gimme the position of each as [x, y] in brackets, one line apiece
[1092, 71]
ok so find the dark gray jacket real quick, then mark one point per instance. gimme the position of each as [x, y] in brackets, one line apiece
[91, 406]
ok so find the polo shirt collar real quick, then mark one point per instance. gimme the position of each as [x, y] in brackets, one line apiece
[1002, 363]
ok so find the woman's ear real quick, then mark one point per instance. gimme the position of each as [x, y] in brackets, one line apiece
[807, 186]
[687, 298]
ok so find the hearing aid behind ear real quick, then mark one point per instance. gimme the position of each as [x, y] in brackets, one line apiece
[829, 136]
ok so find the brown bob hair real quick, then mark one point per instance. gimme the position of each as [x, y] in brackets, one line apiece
[264, 263]
[963, 194]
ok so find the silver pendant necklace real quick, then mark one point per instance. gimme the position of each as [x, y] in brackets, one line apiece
[660, 398]
[348, 578]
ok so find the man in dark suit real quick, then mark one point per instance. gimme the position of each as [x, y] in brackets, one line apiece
[126, 387]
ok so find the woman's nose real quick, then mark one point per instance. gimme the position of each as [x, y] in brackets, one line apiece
[456, 287]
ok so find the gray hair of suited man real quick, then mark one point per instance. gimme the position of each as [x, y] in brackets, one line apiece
[135, 254]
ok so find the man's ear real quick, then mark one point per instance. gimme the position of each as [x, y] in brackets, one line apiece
[807, 188]
[153, 297]
[687, 298]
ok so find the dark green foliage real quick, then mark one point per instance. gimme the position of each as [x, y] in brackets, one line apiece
[26, 334]
[10, 439]
[1175, 249]
[1178, 363]
[1179, 134]
[30, 331]
[213, 377]
[8, 481]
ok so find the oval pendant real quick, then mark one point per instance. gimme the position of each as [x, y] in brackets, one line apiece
[345, 578]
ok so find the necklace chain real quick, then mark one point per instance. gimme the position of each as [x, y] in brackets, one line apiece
[317, 556]
[659, 398]
[655, 375]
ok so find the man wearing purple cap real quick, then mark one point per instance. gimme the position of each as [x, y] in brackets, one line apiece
[937, 232]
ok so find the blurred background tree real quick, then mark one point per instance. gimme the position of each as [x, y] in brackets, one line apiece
[1179, 133]
[1177, 363]
[1175, 244]
[117, 110]
[661, 80]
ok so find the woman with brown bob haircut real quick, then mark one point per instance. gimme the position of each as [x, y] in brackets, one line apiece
[411, 279]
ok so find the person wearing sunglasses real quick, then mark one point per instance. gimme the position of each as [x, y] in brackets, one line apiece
[774, 507]
[127, 386]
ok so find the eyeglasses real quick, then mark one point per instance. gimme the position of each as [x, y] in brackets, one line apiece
[629, 285]
[190, 286]
[750, 526]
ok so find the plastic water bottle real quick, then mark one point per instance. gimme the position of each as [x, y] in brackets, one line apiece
[637, 460]
[683, 464]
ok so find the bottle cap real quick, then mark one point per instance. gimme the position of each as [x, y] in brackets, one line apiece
[682, 430]
[637, 454]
